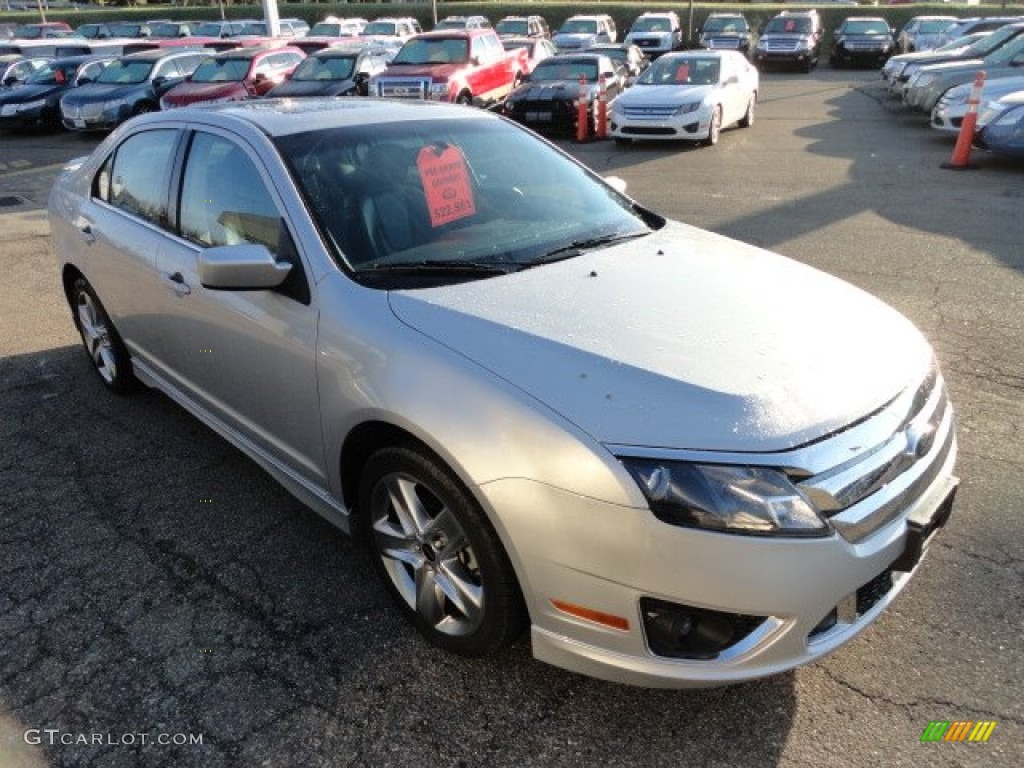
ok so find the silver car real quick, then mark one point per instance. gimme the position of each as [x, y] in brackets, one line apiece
[678, 459]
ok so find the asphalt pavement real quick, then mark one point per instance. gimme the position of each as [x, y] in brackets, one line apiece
[164, 603]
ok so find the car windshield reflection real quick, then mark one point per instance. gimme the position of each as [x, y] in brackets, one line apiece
[470, 193]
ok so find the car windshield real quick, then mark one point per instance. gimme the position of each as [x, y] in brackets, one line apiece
[865, 27]
[125, 72]
[221, 71]
[451, 24]
[253, 28]
[325, 29]
[474, 194]
[989, 43]
[332, 68]
[54, 73]
[437, 51]
[933, 26]
[380, 28]
[91, 31]
[165, 30]
[28, 32]
[1009, 51]
[784, 25]
[125, 30]
[562, 68]
[651, 24]
[209, 30]
[513, 27]
[579, 27]
[961, 42]
[515, 45]
[678, 70]
[726, 25]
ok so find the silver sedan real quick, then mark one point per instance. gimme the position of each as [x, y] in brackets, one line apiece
[678, 459]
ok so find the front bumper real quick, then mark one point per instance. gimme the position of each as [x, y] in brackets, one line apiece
[11, 117]
[861, 56]
[632, 124]
[808, 596]
[558, 115]
[91, 118]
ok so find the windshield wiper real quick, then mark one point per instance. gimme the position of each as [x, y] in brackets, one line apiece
[439, 267]
[577, 247]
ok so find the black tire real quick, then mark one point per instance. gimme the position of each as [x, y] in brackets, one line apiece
[102, 342]
[715, 127]
[465, 99]
[748, 118]
[437, 553]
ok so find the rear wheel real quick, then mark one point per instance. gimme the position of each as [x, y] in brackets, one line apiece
[106, 351]
[437, 553]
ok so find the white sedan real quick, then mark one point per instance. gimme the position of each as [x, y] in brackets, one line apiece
[689, 96]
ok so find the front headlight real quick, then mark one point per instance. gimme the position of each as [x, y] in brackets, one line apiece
[729, 499]
[761, 45]
[114, 104]
[926, 79]
[439, 90]
[684, 109]
[804, 44]
[25, 106]
[956, 95]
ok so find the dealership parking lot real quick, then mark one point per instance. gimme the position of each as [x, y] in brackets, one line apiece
[156, 586]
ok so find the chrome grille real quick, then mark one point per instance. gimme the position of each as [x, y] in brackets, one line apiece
[880, 484]
[782, 46]
[404, 88]
[649, 113]
[723, 42]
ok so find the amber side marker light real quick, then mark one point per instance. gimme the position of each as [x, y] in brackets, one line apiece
[598, 617]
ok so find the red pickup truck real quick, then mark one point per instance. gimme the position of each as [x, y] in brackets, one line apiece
[465, 66]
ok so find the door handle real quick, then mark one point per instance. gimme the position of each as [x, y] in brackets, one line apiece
[85, 227]
[179, 285]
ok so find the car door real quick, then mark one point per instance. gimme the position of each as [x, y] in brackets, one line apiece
[247, 357]
[121, 228]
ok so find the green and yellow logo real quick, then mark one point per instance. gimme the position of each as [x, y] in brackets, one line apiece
[958, 730]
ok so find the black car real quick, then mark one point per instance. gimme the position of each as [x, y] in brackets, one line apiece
[335, 71]
[864, 40]
[726, 32]
[790, 38]
[37, 101]
[547, 100]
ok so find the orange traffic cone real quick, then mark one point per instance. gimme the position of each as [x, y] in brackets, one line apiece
[962, 151]
[602, 109]
[582, 112]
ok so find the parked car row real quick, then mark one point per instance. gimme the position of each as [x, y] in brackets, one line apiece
[938, 84]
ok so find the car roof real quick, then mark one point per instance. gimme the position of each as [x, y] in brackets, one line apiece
[84, 58]
[154, 54]
[251, 52]
[283, 117]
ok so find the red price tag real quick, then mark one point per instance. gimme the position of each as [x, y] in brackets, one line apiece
[446, 186]
[683, 73]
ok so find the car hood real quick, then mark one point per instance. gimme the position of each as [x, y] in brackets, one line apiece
[574, 39]
[92, 92]
[681, 339]
[663, 94]
[30, 93]
[952, 66]
[189, 93]
[423, 70]
[310, 88]
[548, 90]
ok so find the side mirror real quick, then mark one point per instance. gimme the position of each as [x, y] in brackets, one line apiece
[159, 81]
[10, 81]
[474, 60]
[84, 80]
[247, 266]
[261, 77]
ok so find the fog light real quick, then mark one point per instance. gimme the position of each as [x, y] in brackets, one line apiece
[682, 632]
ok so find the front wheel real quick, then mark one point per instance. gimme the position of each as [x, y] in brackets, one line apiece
[106, 351]
[714, 127]
[748, 118]
[464, 99]
[437, 553]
